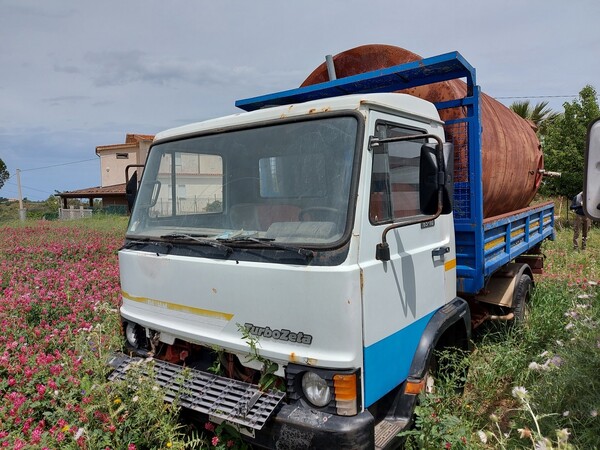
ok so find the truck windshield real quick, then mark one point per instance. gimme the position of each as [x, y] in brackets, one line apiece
[288, 183]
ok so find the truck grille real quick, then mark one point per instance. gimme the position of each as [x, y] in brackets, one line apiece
[234, 401]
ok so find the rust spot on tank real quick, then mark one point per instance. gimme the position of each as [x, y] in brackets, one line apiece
[214, 290]
[293, 357]
[312, 110]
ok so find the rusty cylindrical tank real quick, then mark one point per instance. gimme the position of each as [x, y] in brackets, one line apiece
[511, 154]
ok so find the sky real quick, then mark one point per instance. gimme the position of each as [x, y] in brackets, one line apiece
[78, 74]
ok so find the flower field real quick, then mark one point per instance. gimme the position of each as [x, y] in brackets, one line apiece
[59, 291]
[532, 387]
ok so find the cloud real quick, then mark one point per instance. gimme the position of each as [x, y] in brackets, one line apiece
[67, 69]
[117, 68]
[65, 99]
[46, 11]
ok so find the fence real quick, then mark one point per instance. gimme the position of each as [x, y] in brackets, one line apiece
[72, 213]
[164, 207]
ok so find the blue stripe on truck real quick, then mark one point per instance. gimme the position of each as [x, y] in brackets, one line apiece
[388, 361]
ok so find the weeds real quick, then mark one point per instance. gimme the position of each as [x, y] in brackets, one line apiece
[59, 317]
[535, 386]
[268, 378]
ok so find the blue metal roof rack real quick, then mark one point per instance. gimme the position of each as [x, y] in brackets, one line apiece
[426, 71]
[475, 261]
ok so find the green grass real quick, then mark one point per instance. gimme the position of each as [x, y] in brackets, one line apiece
[555, 357]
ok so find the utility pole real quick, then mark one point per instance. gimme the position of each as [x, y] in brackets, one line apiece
[22, 211]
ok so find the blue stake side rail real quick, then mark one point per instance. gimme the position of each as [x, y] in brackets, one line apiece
[482, 247]
[505, 238]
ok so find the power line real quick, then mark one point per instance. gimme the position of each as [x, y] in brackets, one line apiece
[59, 165]
[541, 96]
[28, 187]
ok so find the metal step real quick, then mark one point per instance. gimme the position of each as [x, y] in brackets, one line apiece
[386, 430]
[231, 400]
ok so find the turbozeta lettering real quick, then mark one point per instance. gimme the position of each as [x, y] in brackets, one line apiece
[280, 335]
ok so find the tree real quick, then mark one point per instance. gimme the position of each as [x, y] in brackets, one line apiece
[540, 114]
[4, 175]
[52, 202]
[564, 143]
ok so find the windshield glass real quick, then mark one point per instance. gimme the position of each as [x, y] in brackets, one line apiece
[288, 183]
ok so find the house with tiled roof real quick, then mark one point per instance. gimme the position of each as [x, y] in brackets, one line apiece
[114, 160]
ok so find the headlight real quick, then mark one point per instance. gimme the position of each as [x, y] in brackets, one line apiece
[132, 333]
[316, 389]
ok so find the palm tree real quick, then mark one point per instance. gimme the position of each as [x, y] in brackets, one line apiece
[540, 115]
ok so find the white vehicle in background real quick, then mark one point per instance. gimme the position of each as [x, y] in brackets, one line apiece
[591, 185]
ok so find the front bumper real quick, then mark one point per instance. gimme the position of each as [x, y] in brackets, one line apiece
[296, 427]
[268, 422]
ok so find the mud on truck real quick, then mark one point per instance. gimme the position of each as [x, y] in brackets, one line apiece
[318, 248]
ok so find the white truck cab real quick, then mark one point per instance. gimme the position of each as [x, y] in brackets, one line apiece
[301, 261]
[270, 220]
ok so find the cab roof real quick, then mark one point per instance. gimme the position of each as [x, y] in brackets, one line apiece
[402, 104]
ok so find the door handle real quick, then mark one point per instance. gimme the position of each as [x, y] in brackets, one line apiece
[440, 251]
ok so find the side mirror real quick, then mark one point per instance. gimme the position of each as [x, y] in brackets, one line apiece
[448, 196]
[431, 177]
[428, 182]
[131, 191]
[591, 174]
[131, 185]
[436, 184]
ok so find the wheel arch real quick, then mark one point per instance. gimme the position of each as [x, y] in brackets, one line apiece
[450, 326]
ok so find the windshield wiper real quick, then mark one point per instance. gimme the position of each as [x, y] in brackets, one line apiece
[132, 243]
[211, 242]
[146, 241]
[268, 242]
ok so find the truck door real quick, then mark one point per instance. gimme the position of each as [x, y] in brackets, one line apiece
[400, 295]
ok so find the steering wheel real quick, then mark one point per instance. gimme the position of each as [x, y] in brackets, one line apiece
[319, 214]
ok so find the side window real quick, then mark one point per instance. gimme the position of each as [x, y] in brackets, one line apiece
[395, 176]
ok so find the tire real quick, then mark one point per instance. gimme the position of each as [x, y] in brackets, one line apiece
[431, 374]
[446, 368]
[521, 298]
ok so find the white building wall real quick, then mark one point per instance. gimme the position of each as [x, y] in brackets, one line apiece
[113, 164]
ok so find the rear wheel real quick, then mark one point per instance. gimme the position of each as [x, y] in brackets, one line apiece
[521, 298]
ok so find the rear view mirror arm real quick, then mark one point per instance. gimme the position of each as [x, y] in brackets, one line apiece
[383, 250]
